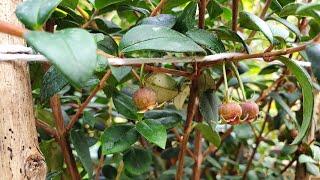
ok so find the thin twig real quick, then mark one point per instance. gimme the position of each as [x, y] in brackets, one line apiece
[46, 127]
[192, 109]
[87, 101]
[289, 164]
[119, 170]
[11, 29]
[176, 133]
[62, 138]
[258, 140]
[202, 12]
[235, 7]
[135, 74]
[158, 8]
[99, 167]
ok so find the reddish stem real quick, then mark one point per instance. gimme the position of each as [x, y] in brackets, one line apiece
[12, 29]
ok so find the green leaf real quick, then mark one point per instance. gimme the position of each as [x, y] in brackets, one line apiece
[214, 9]
[99, 4]
[120, 72]
[34, 13]
[209, 105]
[167, 20]
[137, 161]
[72, 51]
[169, 118]
[253, 22]
[307, 92]
[118, 138]
[164, 86]
[307, 7]
[226, 33]
[285, 107]
[106, 26]
[186, 19]
[81, 146]
[88, 118]
[157, 38]
[69, 3]
[209, 134]
[313, 54]
[106, 44]
[53, 82]
[286, 23]
[125, 106]
[306, 159]
[209, 40]
[312, 169]
[315, 152]
[53, 155]
[153, 131]
[243, 131]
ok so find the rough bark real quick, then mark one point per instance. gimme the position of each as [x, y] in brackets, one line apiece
[20, 155]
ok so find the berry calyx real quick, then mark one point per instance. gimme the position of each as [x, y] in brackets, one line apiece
[230, 112]
[250, 110]
[145, 99]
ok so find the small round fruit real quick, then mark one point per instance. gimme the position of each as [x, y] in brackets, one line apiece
[144, 98]
[290, 87]
[293, 133]
[250, 110]
[230, 112]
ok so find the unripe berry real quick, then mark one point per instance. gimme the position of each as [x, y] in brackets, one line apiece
[144, 98]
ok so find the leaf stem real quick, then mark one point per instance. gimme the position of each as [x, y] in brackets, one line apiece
[235, 70]
[11, 29]
[226, 89]
[158, 8]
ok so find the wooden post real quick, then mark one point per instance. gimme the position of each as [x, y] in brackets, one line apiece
[20, 155]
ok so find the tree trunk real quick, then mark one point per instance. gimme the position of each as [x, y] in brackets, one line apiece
[20, 155]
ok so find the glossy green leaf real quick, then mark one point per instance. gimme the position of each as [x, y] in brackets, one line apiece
[307, 92]
[209, 134]
[284, 106]
[169, 118]
[243, 131]
[253, 22]
[118, 138]
[214, 9]
[226, 33]
[313, 54]
[124, 105]
[286, 23]
[137, 161]
[69, 3]
[81, 146]
[167, 20]
[120, 72]
[209, 105]
[106, 26]
[53, 155]
[313, 169]
[72, 51]
[107, 44]
[186, 19]
[99, 4]
[53, 82]
[204, 38]
[306, 159]
[153, 131]
[157, 38]
[34, 13]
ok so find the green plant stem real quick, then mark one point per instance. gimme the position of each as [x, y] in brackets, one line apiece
[235, 70]
[141, 75]
[226, 91]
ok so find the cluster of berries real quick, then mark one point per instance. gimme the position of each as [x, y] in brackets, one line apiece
[234, 113]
